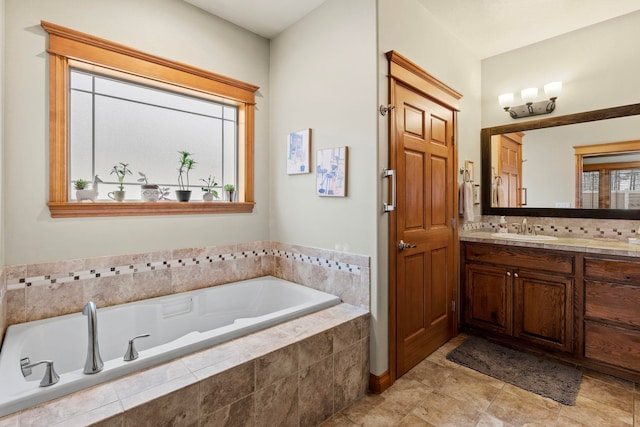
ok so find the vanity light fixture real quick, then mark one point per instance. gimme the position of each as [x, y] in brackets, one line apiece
[530, 107]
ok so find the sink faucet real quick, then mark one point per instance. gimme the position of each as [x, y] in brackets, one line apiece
[523, 228]
[94, 362]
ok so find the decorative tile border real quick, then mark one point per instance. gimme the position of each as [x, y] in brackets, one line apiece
[565, 227]
[19, 283]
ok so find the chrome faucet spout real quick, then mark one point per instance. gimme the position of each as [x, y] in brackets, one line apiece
[94, 362]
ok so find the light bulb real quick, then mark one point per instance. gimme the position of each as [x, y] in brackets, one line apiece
[553, 89]
[505, 100]
[529, 94]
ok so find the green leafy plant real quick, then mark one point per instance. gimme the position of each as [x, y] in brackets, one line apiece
[229, 187]
[186, 165]
[80, 184]
[210, 184]
[121, 170]
[143, 178]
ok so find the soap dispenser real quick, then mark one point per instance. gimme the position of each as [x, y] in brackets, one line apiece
[503, 225]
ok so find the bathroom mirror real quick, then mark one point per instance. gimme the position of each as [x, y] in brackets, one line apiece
[548, 167]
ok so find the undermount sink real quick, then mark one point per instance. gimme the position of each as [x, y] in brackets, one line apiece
[524, 237]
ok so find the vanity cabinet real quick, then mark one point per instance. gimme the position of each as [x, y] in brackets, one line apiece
[523, 293]
[612, 312]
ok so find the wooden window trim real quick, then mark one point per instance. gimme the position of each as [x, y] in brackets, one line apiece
[607, 148]
[65, 46]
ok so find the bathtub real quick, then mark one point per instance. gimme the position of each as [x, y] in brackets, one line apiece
[178, 324]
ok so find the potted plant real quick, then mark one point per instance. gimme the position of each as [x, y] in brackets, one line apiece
[230, 188]
[79, 185]
[209, 190]
[183, 194]
[149, 192]
[121, 170]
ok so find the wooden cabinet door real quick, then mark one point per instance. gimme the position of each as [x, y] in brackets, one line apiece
[542, 310]
[488, 298]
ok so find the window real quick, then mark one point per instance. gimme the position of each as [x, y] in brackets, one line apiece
[112, 104]
[113, 121]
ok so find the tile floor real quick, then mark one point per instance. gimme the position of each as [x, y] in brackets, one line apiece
[438, 392]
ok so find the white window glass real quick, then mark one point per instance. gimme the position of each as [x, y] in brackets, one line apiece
[113, 122]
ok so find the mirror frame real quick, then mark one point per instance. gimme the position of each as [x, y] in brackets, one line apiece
[588, 116]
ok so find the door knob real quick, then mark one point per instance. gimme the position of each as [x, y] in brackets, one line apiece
[402, 245]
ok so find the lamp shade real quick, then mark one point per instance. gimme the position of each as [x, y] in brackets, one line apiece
[505, 100]
[553, 89]
[529, 94]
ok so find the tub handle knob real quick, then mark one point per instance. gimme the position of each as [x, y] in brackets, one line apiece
[132, 353]
[50, 375]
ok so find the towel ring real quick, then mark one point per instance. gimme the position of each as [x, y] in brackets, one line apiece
[466, 176]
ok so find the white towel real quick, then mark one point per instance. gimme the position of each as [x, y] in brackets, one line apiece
[500, 198]
[466, 201]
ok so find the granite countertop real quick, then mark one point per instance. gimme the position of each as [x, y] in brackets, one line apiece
[595, 245]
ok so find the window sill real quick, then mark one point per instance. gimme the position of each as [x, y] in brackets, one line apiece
[89, 209]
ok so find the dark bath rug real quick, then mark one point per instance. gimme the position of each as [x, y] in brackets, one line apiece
[541, 376]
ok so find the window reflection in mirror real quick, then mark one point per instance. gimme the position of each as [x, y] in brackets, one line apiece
[115, 121]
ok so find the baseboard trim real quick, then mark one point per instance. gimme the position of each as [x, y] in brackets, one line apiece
[378, 384]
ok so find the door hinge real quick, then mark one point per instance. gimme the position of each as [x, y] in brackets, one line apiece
[453, 223]
[453, 306]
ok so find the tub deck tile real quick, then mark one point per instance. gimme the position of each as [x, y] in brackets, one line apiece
[152, 394]
[150, 378]
[218, 386]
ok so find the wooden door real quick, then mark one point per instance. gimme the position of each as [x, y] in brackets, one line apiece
[425, 276]
[543, 309]
[488, 298]
[510, 167]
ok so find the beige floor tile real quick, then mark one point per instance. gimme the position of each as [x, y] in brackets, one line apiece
[545, 402]
[476, 390]
[413, 421]
[626, 384]
[338, 420]
[375, 411]
[440, 357]
[487, 420]
[517, 410]
[607, 393]
[636, 410]
[442, 410]
[568, 422]
[430, 374]
[407, 393]
[590, 412]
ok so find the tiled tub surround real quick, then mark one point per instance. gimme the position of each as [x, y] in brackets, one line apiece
[584, 228]
[38, 291]
[297, 373]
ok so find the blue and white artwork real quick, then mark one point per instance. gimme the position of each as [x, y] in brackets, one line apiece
[331, 172]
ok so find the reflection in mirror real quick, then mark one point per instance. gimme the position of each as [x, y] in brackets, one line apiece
[607, 175]
[554, 167]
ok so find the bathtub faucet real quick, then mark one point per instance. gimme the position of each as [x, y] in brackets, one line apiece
[94, 361]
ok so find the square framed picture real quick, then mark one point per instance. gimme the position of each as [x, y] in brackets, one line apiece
[299, 152]
[331, 172]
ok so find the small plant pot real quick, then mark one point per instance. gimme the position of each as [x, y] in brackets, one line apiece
[207, 197]
[183, 195]
[150, 192]
[118, 196]
[230, 195]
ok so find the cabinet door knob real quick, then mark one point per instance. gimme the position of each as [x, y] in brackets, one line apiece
[509, 273]
[515, 275]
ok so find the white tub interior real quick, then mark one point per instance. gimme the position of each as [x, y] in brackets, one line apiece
[179, 324]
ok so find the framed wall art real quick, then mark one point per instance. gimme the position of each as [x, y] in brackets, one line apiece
[299, 152]
[331, 172]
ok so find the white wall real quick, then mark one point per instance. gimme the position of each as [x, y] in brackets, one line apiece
[598, 66]
[2, 130]
[408, 28]
[323, 77]
[167, 28]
